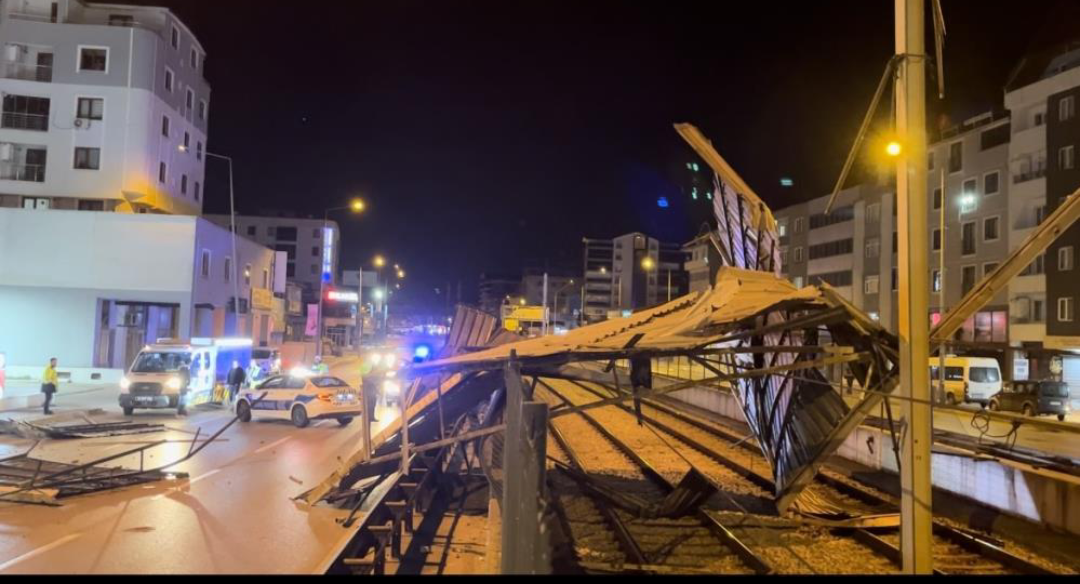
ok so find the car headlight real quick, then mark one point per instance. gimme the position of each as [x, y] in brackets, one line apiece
[391, 374]
[174, 383]
[391, 387]
[375, 358]
[125, 384]
[390, 360]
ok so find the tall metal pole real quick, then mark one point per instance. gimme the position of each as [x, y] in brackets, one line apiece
[544, 331]
[941, 309]
[360, 309]
[232, 222]
[911, 183]
[322, 287]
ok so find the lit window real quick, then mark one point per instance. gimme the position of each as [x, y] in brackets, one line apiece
[782, 227]
[871, 285]
[937, 280]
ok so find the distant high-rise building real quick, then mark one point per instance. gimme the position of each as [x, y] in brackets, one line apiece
[631, 272]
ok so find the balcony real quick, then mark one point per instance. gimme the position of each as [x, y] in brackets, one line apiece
[33, 122]
[26, 71]
[22, 172]
[1029, 176]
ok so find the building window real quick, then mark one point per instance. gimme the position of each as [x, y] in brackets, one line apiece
[798, 255]
[1065, 259]
[88, 158]
[956, 157]
[895, 280]
[187, 142]
[251, 231]
[991, 228]
[840, 215]
[969, 204]
[228, 269]
[967, 277]
[314, 270]
[94, 59]
[202, 109]
[785, 256]
[270, 231]
[90, 108]
[21, 112]
[873, 248]
[194, 59]
[175, 38]
[165, 126]
[971, 187]
[1065, 309]
[871, 285]
[317, 234]
[1066, 158]
[937, 280]
[198, 151]
[315, 252]
[992, 183]
[1040, 214]
[930, 161]
[163, 172]
[183, 184]
[1037, 267]
[1066, 108]
[1040, 119]
[996, 137]
[205, 263]
[168, 80]
[832, 248]
[834, 279]
[798, 225]
[198, 191]
[190, 102]
[989, 268]
[937, 240]
[85, 205]
[782, 228]
[968, 239]
[873, 213]
[799, 282]
[937, 199]
[266, 280]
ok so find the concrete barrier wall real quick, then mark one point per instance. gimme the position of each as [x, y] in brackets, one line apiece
[1042, 498]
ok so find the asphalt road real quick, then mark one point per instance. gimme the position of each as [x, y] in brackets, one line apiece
[234, 515]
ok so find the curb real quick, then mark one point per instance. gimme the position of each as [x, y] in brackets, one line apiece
[37, 400]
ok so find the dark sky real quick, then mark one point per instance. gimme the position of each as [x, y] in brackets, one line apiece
[490, 135]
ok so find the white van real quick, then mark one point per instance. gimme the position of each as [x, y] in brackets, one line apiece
[968, 380]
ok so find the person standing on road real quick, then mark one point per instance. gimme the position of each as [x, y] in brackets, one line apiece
[49, 382]
[237, 376]
[320, 368]
[185, 383]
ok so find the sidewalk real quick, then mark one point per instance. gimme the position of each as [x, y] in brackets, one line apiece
[22, 395]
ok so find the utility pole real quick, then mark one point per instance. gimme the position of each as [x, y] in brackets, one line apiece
[544, 330]
[941, 274]
[911, 181]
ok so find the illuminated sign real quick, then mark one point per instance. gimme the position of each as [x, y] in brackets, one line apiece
[328, 255]
[262, 299]
[343, 296]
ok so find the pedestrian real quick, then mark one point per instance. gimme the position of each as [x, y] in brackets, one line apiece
[185, 384]
[237, 376]
[49, 382]
[320, 368]
[369, 385]
[641, 381]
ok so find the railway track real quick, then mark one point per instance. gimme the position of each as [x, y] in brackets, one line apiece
[745, 469]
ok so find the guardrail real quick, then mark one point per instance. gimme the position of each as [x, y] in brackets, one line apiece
[27, 72]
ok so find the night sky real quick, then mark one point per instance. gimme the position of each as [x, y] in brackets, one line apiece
[487, 136]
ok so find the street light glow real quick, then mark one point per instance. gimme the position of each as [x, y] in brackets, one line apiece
[358, 206]
[894, 149]
[380, 261]
[401, 274]
[648, 264]
[378, 294]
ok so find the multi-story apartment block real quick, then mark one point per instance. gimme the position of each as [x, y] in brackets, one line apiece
[631, 272]
[312, 245]
[104, 108]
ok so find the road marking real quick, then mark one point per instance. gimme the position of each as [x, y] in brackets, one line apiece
[8, 564]
[273, 445]
[189, 483]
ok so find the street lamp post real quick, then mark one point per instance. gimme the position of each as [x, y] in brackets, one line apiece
[232, 222]
[555, 310]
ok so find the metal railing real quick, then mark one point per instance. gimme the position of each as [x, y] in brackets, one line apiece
[1029, 176]
[27, 72]
[35, 122]
[23, 172]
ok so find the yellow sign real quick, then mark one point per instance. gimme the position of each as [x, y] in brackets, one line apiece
[512, 325]
[262, 299]
[527, 313]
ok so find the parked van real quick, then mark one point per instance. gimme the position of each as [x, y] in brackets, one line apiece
[178, 375]
[968, 380]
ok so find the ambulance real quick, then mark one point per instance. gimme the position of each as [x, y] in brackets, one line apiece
[177, 375]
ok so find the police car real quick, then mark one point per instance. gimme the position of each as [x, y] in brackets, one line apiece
[301, 398]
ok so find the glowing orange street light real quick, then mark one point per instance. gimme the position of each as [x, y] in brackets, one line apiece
[894, 149]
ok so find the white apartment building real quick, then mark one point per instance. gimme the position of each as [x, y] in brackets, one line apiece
[104, 108]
